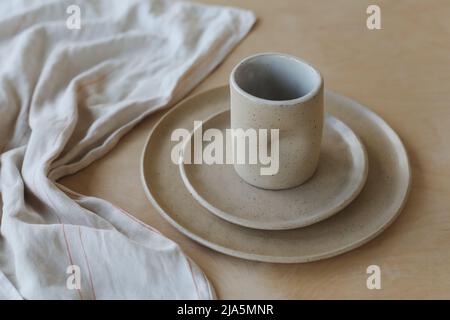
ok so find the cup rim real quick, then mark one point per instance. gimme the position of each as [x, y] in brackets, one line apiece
[288, 102]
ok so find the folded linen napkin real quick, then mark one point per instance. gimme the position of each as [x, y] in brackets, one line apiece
[67, 95]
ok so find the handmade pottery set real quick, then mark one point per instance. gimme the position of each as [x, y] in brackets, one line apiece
[340, 176]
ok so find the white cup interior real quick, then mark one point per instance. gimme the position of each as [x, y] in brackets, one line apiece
[276, 77]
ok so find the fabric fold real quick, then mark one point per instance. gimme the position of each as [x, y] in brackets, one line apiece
[66, 98]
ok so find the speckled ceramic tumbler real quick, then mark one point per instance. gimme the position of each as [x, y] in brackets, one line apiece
[279, 91]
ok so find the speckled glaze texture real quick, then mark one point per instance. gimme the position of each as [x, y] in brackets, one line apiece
[340, 176]
[371, 212]
[299, 120]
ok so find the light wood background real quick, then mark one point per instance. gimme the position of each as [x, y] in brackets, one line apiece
[402, 72]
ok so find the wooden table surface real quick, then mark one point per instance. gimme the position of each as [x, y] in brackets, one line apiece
[402, 72]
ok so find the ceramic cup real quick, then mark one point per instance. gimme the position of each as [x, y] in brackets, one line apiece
[278, 91]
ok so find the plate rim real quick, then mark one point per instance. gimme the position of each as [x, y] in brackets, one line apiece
[270, 258]
[322, 214]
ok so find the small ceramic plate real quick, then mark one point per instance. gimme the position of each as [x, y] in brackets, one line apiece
[340, 176]
[375, 208]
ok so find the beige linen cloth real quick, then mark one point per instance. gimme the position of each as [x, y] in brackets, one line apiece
[66, 98]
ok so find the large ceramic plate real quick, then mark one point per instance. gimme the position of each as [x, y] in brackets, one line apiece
[376, 207]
